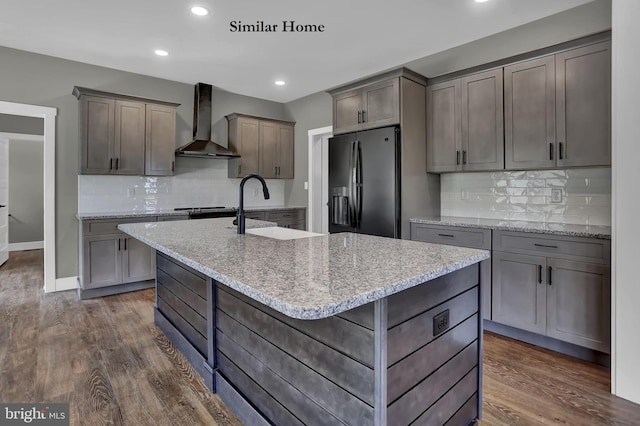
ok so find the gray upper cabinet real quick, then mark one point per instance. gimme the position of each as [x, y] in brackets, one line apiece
[529, 114]
[444, 129]
[129, 138]
[97, 134]
[482, 121]
[160, 140]
[583, 106]
[244, 139]
[125, 135]
[265, 146]
[374, 105]
[465, 129]
[558, 110]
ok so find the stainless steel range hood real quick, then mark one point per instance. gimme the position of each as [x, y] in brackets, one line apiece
[202, 146]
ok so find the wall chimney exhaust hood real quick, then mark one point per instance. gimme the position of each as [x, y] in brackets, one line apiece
[202, 146]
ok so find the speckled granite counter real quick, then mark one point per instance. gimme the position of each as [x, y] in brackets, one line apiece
[571, 230]
[306, 278]
[167, 212]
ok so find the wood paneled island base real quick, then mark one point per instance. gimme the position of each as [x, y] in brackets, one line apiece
[379, 363]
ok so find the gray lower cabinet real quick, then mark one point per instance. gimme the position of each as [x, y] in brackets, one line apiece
[461, 237]
[286, 218]
[555, 286]
[112, 262]
[519, 294]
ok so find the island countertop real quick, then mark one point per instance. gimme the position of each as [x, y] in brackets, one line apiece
[306, 278]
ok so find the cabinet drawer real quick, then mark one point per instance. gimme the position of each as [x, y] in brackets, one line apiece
[587, 249]
[453, 236]
[110, 226]
[286, 218]
[172, 217]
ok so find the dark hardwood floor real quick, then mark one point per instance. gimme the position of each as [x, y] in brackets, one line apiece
[106, 358]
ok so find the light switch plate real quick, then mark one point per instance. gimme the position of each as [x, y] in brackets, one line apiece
[556, 195]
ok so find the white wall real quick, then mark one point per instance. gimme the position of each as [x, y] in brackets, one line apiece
[625, 371]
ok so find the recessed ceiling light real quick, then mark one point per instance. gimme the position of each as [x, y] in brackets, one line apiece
[481, 1]
[199, 10]
[279, 83]
[161, 52]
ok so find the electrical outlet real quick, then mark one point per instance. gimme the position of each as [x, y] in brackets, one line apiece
[441, 322]
[556, 195]
[255, 192]
[464, 195]
[131, 192]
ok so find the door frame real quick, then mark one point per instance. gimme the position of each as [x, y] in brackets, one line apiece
[319, 140]
[49, 116]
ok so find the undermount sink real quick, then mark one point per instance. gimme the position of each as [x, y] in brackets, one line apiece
[281, 233]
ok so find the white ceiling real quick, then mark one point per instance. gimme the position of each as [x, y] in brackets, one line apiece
[362, 37]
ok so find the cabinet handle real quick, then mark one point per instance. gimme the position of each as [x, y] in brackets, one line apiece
[560, 150]
[173, 166]
[117, 163]
[110, 163]
[125, 244]
[118, 244]
[359, 117]
[464, 157]
[364, 117]
[447, 235]
[549, 282]
[275, 170]
[545, 246]
[457, 157]
[539, 274]
[550, 150]
[239, 168]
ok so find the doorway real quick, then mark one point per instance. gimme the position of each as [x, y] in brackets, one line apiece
[319, 179]
[49, 116]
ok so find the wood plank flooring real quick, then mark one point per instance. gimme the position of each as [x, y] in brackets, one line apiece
[106, 358]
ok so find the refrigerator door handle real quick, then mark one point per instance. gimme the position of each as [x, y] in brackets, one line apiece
[358, 183]
[352, 207]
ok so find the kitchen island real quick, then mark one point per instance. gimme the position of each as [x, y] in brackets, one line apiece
[332, 329]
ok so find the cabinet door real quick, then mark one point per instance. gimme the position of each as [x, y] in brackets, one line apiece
[444, 127]
[138, 261]
[244, 139]
[97, 145]
[482, 121]
[102, 261]
[268, 149]
[285, 151]
[578, 303]
[529, 114]
[347, 111]
[160, 140]
[129, 138]
[583, 106]
[381, 104]
[519, 291]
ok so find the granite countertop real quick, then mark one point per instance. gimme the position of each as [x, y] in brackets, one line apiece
[306, 278]
[167, 212]
[571, 230]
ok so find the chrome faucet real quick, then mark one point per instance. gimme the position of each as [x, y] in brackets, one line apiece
[240, 214]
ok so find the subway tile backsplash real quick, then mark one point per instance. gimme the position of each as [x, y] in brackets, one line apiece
[197, 182]
[526, 195]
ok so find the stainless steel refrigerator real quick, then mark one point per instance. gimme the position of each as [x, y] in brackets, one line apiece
[364, 182]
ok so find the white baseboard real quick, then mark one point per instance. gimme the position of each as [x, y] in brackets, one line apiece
[30, 245]
[67, 283]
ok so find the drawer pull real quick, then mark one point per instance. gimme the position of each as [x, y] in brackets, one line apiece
[549, 282]
[545, 245]
[447, 235]
[118, 244]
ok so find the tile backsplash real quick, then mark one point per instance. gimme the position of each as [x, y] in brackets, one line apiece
[197, 182]
[526, 195]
